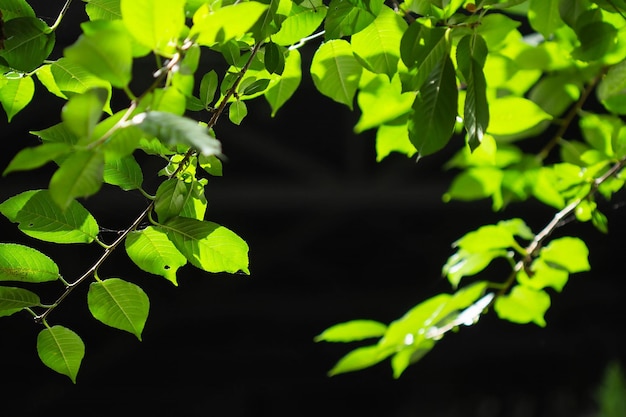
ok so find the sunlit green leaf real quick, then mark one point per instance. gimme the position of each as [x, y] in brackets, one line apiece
[119, 304]
[24, 264]
[173, 130]
[80, 175]
[336, 72]
[378, 44]
[523, 305]
[511, 115]
[434, 110]
[28, 43]
[83, 111]
[124, 172]
[155, 24]
[347, 17]
[393, 138]
[62, 350]
[612, 89]
[569, 253]
[352, 330]
[278, 94]
[40, 217]
[35, 157]
[171, 196]
[237, 111]
[16, 94]
[543, 275]
[465, 263]
[544, 17]
[477, 183]
[301, 22]
[226, 23]
[13, 299]
[153, 252]
[360, 358]
[381, 101]
[103, 9]
[104, 50]
[207, 245]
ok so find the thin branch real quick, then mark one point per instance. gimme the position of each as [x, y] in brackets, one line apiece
[61, 15]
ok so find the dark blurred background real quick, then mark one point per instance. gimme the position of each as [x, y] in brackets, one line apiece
[333, 236]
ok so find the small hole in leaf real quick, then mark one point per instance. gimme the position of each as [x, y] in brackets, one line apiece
[166, 267]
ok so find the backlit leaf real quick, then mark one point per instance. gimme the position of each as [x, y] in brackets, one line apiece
[80, 175]
[544, 16]
[226, 23]
[393, 138]
[13, 299]
[511, 115]
[155, 24]
[421, 49]
[360, 358]
[301, 22]
[612, 89]
[40, 217]
[24, 264]
[35, 157]
[336, 72]
[171, 196]
[465, 263]
[569, 253]
[352, 331]
[124, 172]
[207, 245]
[16, 94]
[434, 110]
[103, 9]
[119, 304]
[62, 350]
[278, 94]
[523, 305]
[16, 8]
[237, 111]
[347, 17]
[153, 252]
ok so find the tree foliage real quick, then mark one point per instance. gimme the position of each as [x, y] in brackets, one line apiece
[479, 77]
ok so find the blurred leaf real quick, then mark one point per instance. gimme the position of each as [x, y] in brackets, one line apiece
[83, 111]
[40, 217]
[352, 331]
[35, 157]
[360, 358]
[80, 175]
[612, 89]
[465, 263]
[155, 24]
[511, 115]
[119, 304]
[103, 9]
[569, 253]
[523, 305]
[544, 17]
[61, 350]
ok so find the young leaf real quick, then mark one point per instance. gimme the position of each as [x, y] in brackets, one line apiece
[378, 44]
[28, 43]
[83, 111]
[207, 245]
[360, 358]
[40, 217]
[104, 50]
[351, 331]
[124, 172]
[155, 24]
[278, 94]
[153, 252]
[16, 94]
[434, 110]
[59, 133]
[62, 350]
[14, 299]
[177, 130]
[226, 23]
[119, 304]
[523, 305]
[35, 157]
[80, 175]
[24, 264]
[237, 111]
[336, 72]
[103, 9]
[569, 253]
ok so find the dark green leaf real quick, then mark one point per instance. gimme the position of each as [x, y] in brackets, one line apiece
[28, 43]
[274, 58]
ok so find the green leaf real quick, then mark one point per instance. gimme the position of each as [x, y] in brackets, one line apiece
[336, 72]
[409, 355]
[596, 39]
[612, 89]
[153, 252]
[16, 94]
[421, 48]
[544, 16]
[24, 264]
[59, 133]
[511, 115]
[62, 350]
[155, 24]
[14, 299]
[40, 217]
[119, 304]
[278, 94]
[569, 253]
[237, 111]
[300, 23]
[175, 130]
[15, 8]
[207, 245]
[104, 50]
[543, 275]
[28, 43]
[381, 101]
[378, 44]
[487, 238]
[351, 331]
[434, 110]
[360, 358]
[211, 164]
[80, 175]
[103, 9]
[124, 172]
[476, 183]
[255, 87]
[465, 263]
[274, 58]
[35, 157]
[393, 138]
[347, 17]
[523, 305]
[171, 197]
[83, 111]
[208, 87]
[226, 23]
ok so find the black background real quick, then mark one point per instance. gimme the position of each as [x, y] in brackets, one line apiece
[334, 236]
